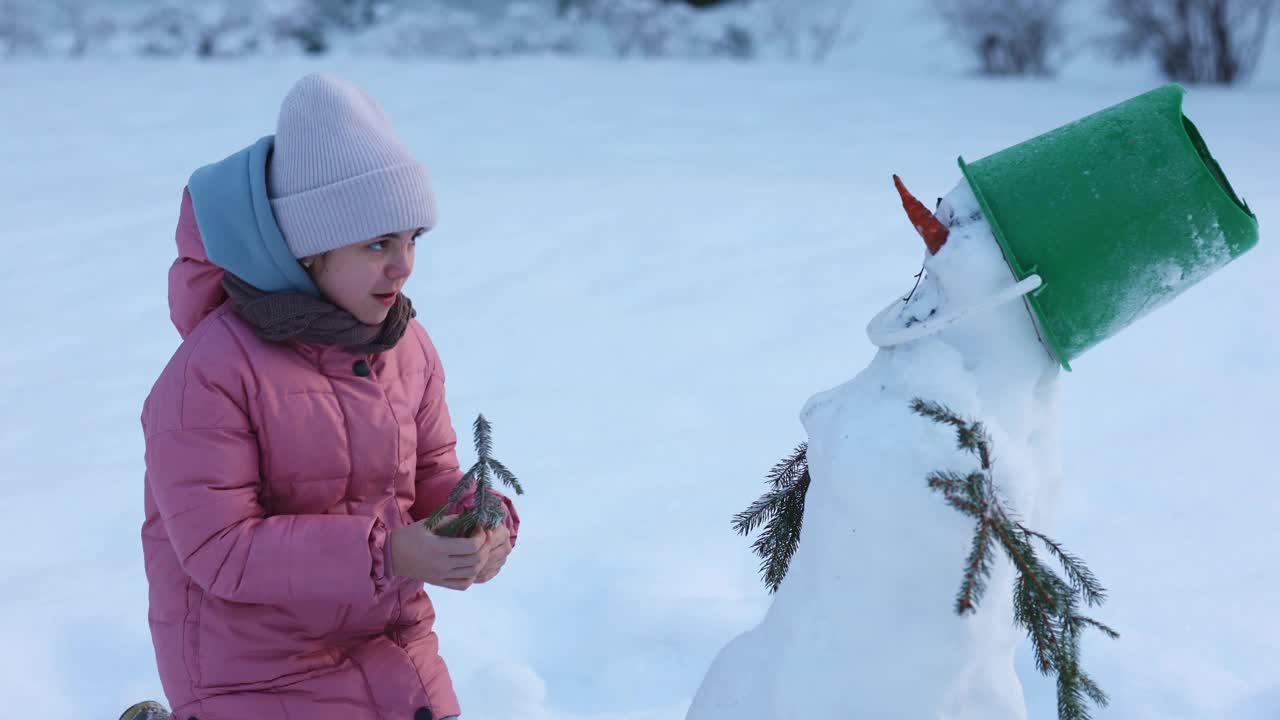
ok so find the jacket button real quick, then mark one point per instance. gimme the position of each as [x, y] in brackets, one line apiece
[361, 368]
[422, 714]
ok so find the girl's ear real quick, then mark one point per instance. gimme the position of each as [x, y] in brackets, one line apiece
[312, 261]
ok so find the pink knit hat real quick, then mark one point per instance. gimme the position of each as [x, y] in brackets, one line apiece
[338, 172]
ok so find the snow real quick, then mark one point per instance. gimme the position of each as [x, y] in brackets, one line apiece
[642, 272]
[881, 555]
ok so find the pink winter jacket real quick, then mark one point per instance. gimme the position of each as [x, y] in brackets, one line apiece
[274, 473]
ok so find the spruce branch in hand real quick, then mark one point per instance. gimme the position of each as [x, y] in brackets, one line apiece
[781, 511]
[487, 510]
[1045, 605]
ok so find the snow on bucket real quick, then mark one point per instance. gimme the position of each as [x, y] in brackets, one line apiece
[1117, 213]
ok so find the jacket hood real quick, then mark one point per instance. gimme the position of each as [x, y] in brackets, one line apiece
[225, 224]
[195, 283]
[240, 234]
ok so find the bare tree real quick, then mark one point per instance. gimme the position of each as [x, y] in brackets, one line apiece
[538, 30]
[812, 31]
[565, 7]
[352, 14]
[1009, 37]
[828, 29]
[19, 31]
[1194, 41]
[431, 30]
[638, 27]
[656, 28]
[210, 28]
[85, 25]
[307, 32]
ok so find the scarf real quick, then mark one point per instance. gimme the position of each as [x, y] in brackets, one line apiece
[293, 314]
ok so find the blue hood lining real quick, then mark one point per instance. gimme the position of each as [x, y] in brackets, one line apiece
[233, 212]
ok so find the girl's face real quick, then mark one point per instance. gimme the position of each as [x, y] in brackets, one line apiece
[365, 278]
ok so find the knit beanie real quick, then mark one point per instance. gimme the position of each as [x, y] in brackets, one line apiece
[338, 172]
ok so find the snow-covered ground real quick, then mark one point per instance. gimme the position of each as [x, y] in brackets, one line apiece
[641, 274]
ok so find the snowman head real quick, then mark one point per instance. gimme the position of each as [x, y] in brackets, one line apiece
[967, 296]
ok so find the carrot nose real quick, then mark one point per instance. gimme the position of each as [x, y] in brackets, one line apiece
[929, 227]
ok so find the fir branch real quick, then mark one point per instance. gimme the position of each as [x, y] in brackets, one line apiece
[483, 484]
[785, 529]
[787, 472]
[1082, 579]
[975, 486]
[483, 437]
[1071, 696]
[463, 525]
[1038, 602]
[781, 511]
[1104, 629]
[1094, 692]
[1038, 628]
[507, 477]
[434, 518]
[468, 478]
[489, 511]
[486, 511]
[971, 436]
[455, 496]
[1045, 605]
[782, 480]
[977, 569]
[484, 497]
[936, 412]
[965, 506]
[984, 447]
[945, 480]
[760, 510]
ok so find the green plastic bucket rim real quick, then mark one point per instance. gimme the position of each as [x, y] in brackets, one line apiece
[1196, 142]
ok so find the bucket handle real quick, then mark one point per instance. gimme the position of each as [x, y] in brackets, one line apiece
[882, 335]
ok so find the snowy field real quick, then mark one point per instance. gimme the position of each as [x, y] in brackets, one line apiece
[642, 273]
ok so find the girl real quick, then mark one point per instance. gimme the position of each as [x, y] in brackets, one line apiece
[299, 435]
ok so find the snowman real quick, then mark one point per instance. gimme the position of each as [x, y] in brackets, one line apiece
[864, 625]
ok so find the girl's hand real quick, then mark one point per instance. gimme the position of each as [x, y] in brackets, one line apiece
[418, 553]
[498, 547]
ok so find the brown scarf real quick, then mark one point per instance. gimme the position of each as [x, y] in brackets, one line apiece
[292, 314]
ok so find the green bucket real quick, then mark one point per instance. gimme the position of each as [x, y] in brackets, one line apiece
[1117, 212]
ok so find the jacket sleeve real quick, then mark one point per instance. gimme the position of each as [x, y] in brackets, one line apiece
[205, 481]
[438, 472]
